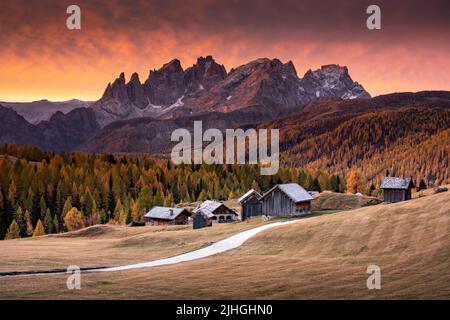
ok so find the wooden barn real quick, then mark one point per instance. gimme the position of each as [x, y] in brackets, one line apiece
[397, 189]
[220, 212]
[286, 200]
[250, 204]
[159, 216]
[202, 219]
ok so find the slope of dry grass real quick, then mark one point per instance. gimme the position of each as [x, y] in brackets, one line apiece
[109, 245]
[324, 257]
[328, 200]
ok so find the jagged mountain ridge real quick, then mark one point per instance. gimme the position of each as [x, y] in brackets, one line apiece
[150, 135]
[163, 91]
[172, 92]
[401, 131]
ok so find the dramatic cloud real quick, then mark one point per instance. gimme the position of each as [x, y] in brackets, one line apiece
[42, 59]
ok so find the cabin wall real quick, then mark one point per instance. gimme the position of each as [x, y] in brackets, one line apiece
[396, 195]
[303, 208]
[224, 215]
[409, 194]
[183, 218]
[250, 208]
[200, 221]
[278, 204]
[158, 222]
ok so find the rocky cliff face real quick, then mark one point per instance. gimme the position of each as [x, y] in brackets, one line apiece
[172, 92]
[319, 117]
[332, 81]
[164, 90]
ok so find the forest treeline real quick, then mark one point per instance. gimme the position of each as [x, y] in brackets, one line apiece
[408, 142]
[43, 192]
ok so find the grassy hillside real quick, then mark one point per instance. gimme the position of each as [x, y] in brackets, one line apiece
[328, 200]
[320, 257]
[109, 245]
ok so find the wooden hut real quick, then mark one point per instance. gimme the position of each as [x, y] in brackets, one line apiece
[250, 204]
[286, 200]
[220, 212]
[167, 216]
[397, 189]
[202, 219]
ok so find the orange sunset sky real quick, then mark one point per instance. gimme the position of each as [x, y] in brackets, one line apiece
[42, 59]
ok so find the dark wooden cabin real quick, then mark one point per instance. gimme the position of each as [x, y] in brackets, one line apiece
[286, 200]
[202, 220]
[159, 216]
[397, 189]
[250, 204]
[220, 212]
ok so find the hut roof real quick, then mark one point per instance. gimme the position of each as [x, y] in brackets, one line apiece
[209, 206]
[396, 183]
[207, 215]
[293, 191]
[248, 194]
[165, 213]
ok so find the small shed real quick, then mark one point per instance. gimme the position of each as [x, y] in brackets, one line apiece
[286, 200]
[158, 216]
[202, 219]
[221, 213]
[396, 189]
[250, 204]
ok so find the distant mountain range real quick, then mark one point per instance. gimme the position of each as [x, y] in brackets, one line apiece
[63, 132]
[42, 110]
[326, 120]
[172, 92]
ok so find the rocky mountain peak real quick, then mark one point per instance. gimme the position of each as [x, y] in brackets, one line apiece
[116, 90]
[334, 69]
[166, 85]
[206, 86]
[332, 81]
[203, 75]
[135, 91]
[173, 66]
[135, 78]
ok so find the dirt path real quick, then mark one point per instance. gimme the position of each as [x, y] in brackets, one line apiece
[229, 243]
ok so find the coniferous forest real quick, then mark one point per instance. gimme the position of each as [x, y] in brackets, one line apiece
[43, 192]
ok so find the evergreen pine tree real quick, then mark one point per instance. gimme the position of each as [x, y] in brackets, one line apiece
[48, 222]
[20, 219]
[42, 207]
[118, 210]
[29, 223]
[255, 186]
[168, 201]
[157, 200]
[202, 196]
[67, 206]
[145, 199]
[55, 224]
[422, 185]
[111, 198]
[371, 189]
[39, 230]
[316, 185]
[13, 231]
